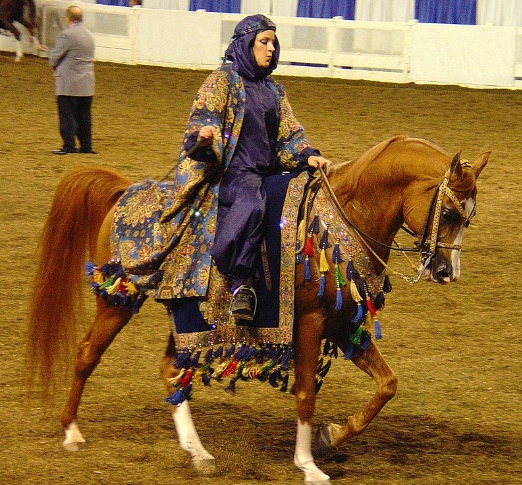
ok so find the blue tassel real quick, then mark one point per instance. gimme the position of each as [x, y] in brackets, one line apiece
[230, 351]
[336, 254]
[195, 360]
[338, 299]
[323, 243]
[314, 226]
[307, 273]
[219, 352]
[89, 268]
[377, 329]
[322, 285]
[284, 385]
[182, 360]
[348, 353]
[351, 272]
[209, 356]
[378, 303]
[285, 360]
[359, 315]
[386, 286]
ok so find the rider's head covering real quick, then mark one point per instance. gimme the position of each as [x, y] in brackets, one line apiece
[240, 52]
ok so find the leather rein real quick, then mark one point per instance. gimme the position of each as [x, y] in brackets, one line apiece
[428, 243]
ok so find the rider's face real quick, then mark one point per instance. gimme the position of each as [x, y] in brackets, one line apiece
[264, 47]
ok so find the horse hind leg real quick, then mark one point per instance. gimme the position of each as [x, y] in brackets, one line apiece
[107, 324]
[188, 437]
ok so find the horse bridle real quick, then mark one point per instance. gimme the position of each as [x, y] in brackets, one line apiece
[427, 244]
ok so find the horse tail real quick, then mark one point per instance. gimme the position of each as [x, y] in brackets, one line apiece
[81, 201]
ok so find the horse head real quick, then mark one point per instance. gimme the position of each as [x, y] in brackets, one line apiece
[450, 209]
[412, 184]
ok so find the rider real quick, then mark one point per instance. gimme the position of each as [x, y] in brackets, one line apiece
[241, 119]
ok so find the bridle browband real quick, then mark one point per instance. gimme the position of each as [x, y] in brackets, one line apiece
[427, 245]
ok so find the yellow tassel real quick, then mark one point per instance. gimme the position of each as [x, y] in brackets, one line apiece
[113, 289]
[130, 287]
[355, 292]
[97, 277]
[301, 231]
[324, 267]
[368, 321]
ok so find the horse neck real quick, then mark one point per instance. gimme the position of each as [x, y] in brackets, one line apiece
[372, 189]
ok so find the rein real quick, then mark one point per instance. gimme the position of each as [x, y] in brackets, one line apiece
[426, 246]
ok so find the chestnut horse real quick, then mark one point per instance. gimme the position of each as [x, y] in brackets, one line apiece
[401, 181]
[23, 12]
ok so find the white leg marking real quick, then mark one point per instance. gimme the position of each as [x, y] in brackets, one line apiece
[73, 438]
[303, 458]
[187, 434]
[19, 51]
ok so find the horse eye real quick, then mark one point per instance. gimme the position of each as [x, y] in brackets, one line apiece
[450, 216]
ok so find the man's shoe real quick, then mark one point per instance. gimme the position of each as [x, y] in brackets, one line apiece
[91, 151]
[243, 304]
[63, 151]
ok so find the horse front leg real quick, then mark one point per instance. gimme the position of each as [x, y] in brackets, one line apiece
[373, 363]
[188, 437]
[107, 324]
[307, 347]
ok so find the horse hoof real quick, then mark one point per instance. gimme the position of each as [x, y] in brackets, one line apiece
[313, 475]
[73, 438]
[205, 467]
[322, 445]
[71, 446]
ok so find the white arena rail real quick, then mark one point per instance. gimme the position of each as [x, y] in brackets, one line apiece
[482, 56]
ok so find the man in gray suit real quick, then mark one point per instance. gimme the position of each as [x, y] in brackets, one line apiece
[72, 60]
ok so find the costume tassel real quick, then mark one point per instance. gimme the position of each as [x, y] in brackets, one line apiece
[359, 315]
[371, 307]
[356, 297]
[322, 285]
[308, 249]
[379, 301]
[348, 353]
[339, 281]
[386, 286]
[338, 299]
[284, 385]
[377, 329]
[307, 272]
[313, 228]
[300, 231]
[351, 272]
[355, 337]
[324, 267]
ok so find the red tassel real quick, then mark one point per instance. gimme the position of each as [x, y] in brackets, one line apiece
[371, 307]
[308, 249]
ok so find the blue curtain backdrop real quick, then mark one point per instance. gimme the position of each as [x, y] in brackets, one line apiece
[228, 6]
[446, 12]
[326, 9]
[115, 3]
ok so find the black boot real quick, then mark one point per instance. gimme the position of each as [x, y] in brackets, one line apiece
[244, 303]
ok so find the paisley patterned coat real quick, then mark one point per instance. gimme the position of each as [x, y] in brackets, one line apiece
[162, 232]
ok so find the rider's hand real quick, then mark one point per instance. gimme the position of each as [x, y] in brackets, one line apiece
[319, 162]
[206, 135]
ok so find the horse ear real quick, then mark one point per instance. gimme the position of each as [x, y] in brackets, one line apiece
[455, 166]
[480, 163]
